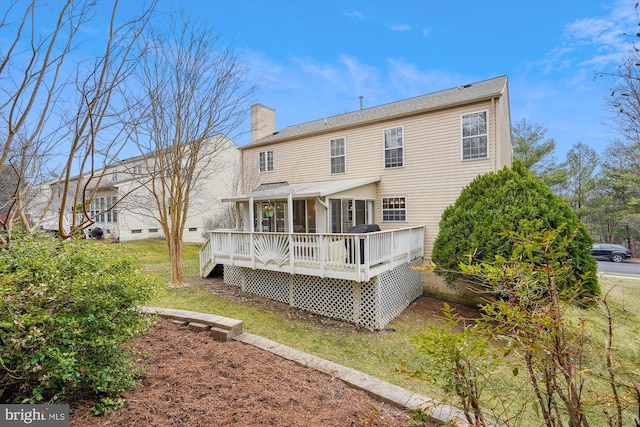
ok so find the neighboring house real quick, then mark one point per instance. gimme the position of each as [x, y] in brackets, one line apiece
[397, 165]
[124, 209]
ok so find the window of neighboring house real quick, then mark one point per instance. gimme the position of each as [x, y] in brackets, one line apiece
[99, 205]
[266, 161]
[136, 231]
[394, 209]
[338, 155]
[114, 175]
[475, 136]
[393, 147]
[112, 215]
[153, 230]
[138, 169]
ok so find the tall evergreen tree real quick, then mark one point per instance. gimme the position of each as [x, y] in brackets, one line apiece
[535, 152]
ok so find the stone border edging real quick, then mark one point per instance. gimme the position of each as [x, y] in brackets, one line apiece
[225, 329]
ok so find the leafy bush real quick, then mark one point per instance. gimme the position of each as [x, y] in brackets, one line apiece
[562, 375]
[66, 311]
[498, 202]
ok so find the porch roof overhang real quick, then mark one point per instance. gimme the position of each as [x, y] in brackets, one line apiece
[302, 190]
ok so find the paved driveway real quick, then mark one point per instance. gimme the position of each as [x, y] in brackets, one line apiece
[626, 267]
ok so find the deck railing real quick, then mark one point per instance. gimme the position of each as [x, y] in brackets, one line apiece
[350, 256]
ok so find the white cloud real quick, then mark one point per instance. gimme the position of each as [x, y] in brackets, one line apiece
[355, 14]
[400, 27]
[426, 32]
[408, 81]
[599, 42]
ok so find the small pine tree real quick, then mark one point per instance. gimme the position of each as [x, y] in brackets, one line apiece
[497, 202]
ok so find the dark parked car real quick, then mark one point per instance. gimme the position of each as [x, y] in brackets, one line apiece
[610, 252]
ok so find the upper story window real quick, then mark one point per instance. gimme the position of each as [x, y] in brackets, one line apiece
[138, 169]
[338, 155]
[394, 208]
[266, 161]
[475, 136]
[393, 147]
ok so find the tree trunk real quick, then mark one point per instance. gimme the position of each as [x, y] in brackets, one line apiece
[175, 258]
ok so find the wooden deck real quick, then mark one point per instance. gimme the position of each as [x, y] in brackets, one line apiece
[357, 257]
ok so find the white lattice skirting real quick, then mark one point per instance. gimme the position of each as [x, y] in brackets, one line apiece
[371, 304]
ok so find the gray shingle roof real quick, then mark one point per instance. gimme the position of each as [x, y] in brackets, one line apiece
[457, 95]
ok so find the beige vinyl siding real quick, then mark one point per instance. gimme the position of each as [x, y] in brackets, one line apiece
[504, 135]
[433, 173]
[364, 192]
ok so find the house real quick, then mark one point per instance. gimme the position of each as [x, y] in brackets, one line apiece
[122, 207]
[397, 166]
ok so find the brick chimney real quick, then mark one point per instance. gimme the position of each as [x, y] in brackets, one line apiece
[263, 121]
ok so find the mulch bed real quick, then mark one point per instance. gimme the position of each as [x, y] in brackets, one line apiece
[192, 380]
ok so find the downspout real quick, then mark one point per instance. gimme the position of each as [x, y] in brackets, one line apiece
[290, 212]
[496, 133]
[242, 189]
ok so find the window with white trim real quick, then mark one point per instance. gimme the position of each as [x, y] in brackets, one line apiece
[394, 209]
[475, 136]
[338, 155]
[99, 205]
[393, 147]
[266, 161]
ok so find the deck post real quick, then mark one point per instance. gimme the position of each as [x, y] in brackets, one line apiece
[409, 246]
[211, 252]
[367, 256]
[321, 240]
[291, 253]
[356, 241]
[252, 249]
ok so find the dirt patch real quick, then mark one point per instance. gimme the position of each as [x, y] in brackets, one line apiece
[192, 380]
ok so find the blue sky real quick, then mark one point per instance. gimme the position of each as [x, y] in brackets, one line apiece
[315, 58]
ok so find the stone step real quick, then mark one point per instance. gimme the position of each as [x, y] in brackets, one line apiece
[222, 335]
[223, 328]
[198, 327]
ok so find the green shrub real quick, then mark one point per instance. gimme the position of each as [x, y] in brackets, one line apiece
[498, 202]
[67, 310]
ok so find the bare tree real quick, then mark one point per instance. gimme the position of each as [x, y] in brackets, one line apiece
[622, 156]
[194, 96]
[52, 100]
[581, 164]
